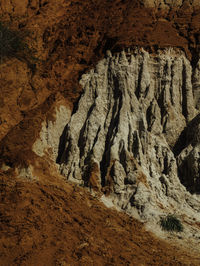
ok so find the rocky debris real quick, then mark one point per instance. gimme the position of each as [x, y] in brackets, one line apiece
[130, 116]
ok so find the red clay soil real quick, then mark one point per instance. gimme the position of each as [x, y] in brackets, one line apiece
[49, 222]
[54, 223]
[70, 37]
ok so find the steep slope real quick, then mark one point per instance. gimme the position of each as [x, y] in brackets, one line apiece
[122, 135]
[129, 129]
[49, 222]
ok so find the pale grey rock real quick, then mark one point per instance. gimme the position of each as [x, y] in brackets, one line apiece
[26, 173]
[51, 132]
[135, 130]
[130, 116]
[196, 85]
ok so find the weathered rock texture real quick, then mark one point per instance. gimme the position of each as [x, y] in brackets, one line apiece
[129, 118]
[188, 150]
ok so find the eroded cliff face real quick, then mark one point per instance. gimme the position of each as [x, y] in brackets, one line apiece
[125, 135]
[130, 129]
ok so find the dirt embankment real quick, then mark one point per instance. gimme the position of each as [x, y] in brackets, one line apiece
[50, 222]
[70, 37]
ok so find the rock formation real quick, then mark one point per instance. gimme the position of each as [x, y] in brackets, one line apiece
[111, 102]
[128, 122]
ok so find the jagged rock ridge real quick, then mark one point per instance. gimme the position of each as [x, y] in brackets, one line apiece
[129, 118]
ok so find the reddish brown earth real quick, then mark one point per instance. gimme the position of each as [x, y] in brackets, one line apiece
[50, 222]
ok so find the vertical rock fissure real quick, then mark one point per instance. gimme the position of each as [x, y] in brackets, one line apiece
[82, 137]
[112, 130]
[128, 120]
[184, 93]
[138, 88]
[61, 146]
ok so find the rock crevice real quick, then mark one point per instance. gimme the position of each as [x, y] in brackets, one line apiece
[133, 109]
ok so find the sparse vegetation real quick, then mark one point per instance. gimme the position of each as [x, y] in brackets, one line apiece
[12, 44]
[171, 223]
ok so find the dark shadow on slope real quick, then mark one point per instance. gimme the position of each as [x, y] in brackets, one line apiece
[82, 138]
[186, 172]
[184, 93]
[63, 137]
[112, 130]
[187, 136]
[62, 143]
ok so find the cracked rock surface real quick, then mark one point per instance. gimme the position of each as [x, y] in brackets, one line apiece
[128, 123]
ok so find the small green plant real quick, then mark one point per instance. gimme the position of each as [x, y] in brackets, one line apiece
[12, 44]
[171, 223]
